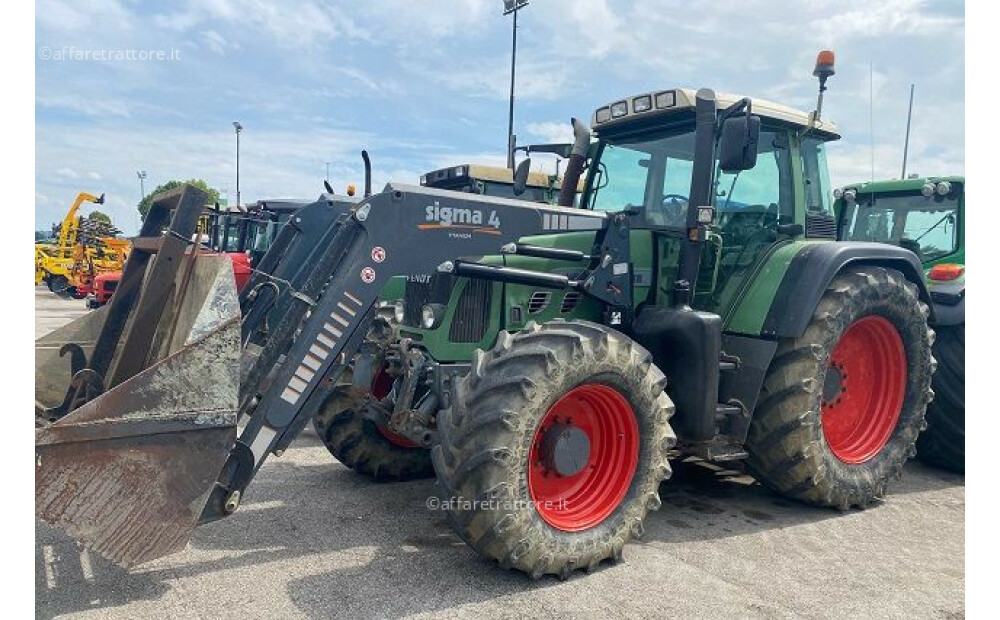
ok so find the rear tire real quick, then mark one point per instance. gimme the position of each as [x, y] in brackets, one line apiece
[943, 443]
[360, 445]
[814, 439]
[544, 517]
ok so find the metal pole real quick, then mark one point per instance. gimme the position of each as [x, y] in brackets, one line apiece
[327, 171]
[906, 144]
[510, 117]
[871, 114]
[238, 169]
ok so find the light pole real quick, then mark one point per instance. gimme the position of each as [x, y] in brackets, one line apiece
[512, 6]
[142, 182]
[239, 130]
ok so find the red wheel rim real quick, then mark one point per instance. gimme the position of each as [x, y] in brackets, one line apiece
[381, 386]
[582, 500]
[864, 389]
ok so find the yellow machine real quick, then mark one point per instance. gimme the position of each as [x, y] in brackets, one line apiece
[75, 259]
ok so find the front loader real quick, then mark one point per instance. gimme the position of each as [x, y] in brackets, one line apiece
[695, 304]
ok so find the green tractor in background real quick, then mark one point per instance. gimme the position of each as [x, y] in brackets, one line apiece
[927, 216]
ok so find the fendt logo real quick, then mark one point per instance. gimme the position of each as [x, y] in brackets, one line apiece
[462, 223]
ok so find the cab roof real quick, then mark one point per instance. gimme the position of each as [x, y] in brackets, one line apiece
[900, 185]
[665, 103]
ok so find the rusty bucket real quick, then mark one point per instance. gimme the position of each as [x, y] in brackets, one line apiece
[128, 472]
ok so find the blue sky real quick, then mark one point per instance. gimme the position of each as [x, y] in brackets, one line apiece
[423, 85]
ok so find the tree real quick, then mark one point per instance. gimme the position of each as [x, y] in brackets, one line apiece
[99, 216]
[143, 206]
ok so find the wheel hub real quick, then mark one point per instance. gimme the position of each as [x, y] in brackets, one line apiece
[864, 389]
[583, 456]
[565, 449]
[833, 385]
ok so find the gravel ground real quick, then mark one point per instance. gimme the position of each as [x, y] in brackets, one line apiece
[312, 539]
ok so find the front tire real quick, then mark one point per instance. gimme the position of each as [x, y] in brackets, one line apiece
[943, 443]
[554, 447]
[359, 443]
[842, 405]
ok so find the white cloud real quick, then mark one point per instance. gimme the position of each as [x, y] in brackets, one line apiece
[551, 132]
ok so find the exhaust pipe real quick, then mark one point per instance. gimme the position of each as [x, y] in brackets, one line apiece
[368, 173]
[577, 158]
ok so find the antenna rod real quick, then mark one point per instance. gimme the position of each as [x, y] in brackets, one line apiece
[871, 114]
[906, 144]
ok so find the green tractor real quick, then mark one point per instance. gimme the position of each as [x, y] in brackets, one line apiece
[496, 181]
[927, 216]
[548, 362]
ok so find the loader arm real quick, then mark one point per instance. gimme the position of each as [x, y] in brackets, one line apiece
[402, 230]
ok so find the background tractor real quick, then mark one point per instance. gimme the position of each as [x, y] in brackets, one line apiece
[549, 360]
[927, 216]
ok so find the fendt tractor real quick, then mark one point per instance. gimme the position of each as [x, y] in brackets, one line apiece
[495, 181]
[549, 361]
[927, 216]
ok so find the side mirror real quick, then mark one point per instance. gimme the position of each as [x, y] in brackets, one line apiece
[521, 176]
[738, 143]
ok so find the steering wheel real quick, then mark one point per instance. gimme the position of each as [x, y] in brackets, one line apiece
[675, 198]
[675, 208]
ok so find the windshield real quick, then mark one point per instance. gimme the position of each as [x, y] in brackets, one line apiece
[653, 174]
[926, 225]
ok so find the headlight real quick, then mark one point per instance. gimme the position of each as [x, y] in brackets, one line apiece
[400, 312]
[431, 315]
[603, 115]
[943, 188]
[643, 103]
[666, 100]
[927, 190]
[619, 109]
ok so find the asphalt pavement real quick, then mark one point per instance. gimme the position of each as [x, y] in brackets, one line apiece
[313, 539]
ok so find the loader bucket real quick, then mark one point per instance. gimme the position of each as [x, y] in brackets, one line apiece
[129, 472]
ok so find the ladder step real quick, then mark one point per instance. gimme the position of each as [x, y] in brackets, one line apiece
[728, 410]
[727, 366]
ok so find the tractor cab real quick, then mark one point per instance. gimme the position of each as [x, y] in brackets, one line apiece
[644, 162]
[922, 215]
[492, 181]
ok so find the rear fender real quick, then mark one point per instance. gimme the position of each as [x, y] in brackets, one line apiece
[811, 270]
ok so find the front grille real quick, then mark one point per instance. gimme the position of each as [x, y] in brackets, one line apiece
[468, 324]
[421, 290]
[570, 302]
[539, 300]
[821, 226]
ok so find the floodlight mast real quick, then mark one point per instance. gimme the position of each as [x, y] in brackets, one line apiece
[512, 6]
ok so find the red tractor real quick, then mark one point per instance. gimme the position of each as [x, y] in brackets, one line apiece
[104, 285]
